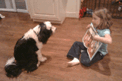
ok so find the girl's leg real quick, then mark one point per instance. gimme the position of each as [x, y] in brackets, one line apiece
[86, 61]
[75, 50]
[85, 58]
[98, 56]
[74, 53]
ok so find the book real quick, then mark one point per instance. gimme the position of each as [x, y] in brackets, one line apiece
[91, 45]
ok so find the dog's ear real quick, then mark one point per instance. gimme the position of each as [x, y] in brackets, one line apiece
[44, 35]
[42, 25]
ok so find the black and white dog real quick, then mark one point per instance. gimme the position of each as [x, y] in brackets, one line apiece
[27, 51]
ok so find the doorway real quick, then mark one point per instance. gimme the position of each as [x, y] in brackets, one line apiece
[14, 5]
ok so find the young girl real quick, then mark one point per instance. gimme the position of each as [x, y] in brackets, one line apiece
[101, 20]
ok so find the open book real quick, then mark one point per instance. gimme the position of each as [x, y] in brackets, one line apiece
[91, 45]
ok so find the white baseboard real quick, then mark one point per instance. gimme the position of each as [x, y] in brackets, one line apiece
[72, 14]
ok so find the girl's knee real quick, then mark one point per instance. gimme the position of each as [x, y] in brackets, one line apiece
[75, 42]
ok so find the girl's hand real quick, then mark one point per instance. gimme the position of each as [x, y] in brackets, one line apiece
[88, 26]
[95, 37]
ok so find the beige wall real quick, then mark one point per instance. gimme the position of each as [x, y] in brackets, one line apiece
[72, 9]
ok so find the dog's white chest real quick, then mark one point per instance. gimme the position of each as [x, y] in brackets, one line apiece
[39, 45]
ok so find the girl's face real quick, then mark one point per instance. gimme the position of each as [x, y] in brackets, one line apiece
[95, 20]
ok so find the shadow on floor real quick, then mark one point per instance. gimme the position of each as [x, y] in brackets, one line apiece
[101, 66]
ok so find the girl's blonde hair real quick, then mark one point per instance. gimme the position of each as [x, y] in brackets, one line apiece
[105, 17]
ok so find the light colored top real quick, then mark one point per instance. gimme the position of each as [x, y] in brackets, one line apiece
[102, 33]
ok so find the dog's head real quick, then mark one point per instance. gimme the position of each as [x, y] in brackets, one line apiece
[44, 31]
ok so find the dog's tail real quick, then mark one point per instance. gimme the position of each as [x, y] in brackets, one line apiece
[12, 69]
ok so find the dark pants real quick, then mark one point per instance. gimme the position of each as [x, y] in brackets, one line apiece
[75, 51]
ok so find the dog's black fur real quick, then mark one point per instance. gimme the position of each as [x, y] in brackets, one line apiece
[25, 53]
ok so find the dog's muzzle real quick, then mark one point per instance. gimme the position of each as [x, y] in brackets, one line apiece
[54, 29]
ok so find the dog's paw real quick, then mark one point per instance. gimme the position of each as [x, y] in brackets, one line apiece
[38, 63]
[43, 59]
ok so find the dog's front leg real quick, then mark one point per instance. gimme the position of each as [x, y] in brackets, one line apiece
[40, 57]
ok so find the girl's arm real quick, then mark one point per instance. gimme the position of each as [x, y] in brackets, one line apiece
[106, 39]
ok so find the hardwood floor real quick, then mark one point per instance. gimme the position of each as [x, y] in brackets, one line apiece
[14, 25]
